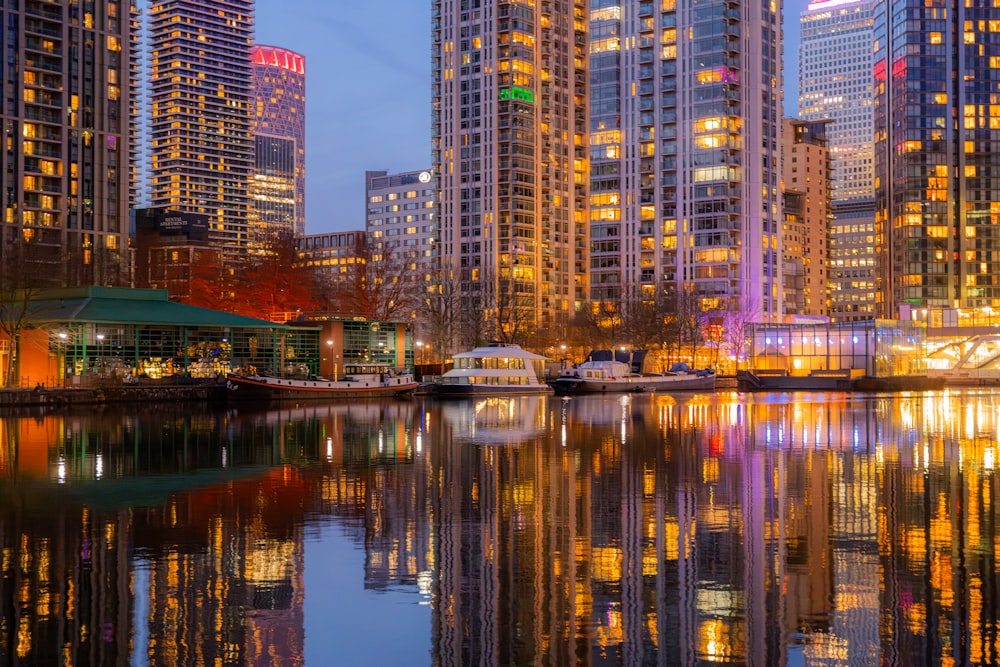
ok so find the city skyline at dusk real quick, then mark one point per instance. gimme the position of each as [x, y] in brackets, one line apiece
[368, 102]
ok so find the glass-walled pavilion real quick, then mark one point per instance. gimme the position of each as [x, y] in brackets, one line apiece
[873, 348]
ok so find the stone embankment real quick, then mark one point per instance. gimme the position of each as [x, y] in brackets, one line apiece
[66, 397]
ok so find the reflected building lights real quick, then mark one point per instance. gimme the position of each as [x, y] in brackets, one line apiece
[545, 536]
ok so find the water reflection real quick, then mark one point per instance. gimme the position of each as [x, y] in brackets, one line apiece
[762, 530]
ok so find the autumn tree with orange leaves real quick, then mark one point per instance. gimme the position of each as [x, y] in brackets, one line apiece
[266, 283]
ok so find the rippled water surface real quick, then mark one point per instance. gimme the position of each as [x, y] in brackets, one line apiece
[803, 529]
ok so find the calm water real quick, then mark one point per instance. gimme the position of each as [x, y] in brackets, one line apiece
[806, 529]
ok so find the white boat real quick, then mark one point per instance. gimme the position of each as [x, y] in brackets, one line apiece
[360, 381]
[495, 369]
[617, 376]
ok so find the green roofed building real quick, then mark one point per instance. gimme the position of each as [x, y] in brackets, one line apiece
[76, 335]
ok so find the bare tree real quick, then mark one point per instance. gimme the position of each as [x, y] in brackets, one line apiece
[682, 323]
[643, 316]
[20, 283]
[378, 286]
[92, 262]
[601, 323]
[513, 303]
[441, 316]
[736, 326]
[500, 307]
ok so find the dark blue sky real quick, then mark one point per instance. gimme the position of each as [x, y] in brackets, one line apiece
[368, 93]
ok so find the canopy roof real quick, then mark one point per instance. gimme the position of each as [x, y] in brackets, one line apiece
[130, 306]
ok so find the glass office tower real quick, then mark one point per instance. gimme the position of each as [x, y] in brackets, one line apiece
[278, 183]
[937, 138]
[836, 84]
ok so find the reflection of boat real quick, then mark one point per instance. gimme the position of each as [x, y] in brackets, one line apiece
[496, 420]
[615, 376]
[491, 370]
[360, 381]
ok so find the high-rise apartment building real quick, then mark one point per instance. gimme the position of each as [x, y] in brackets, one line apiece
[65, 77]
[836, 57]
[937, 138]
[201, 90]
[806, 178]
[510, 149]
[278, 181]
[685, 129]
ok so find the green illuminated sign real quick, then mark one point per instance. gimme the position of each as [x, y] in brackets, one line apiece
[515, 93]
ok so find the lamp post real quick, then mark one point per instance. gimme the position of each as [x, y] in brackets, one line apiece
[100, 354]
[61, 362]
[563, 360]
[420, 353]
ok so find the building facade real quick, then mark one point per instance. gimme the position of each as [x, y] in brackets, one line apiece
[169, 249]
[332, 254]
[509, 125]
[401, 218]
[65, 113]
[200, 95]
[278, 180]
[836, 57]
[685, 155]
[805, 174]
[937, 137]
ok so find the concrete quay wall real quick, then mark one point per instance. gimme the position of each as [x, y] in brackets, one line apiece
[48, 396]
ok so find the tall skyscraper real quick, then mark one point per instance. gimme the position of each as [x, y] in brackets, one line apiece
[836, 83]
[510, 149]
[278, 183]
[806, 176]
[65, 113]
[136, 99]
[201, 147]
[685, 121]
[937, 138]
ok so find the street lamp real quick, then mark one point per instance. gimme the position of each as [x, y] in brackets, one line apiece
[420, 352]
[100, 366]
[61, 361]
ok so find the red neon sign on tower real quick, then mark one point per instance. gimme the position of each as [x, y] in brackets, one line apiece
[273, 56]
